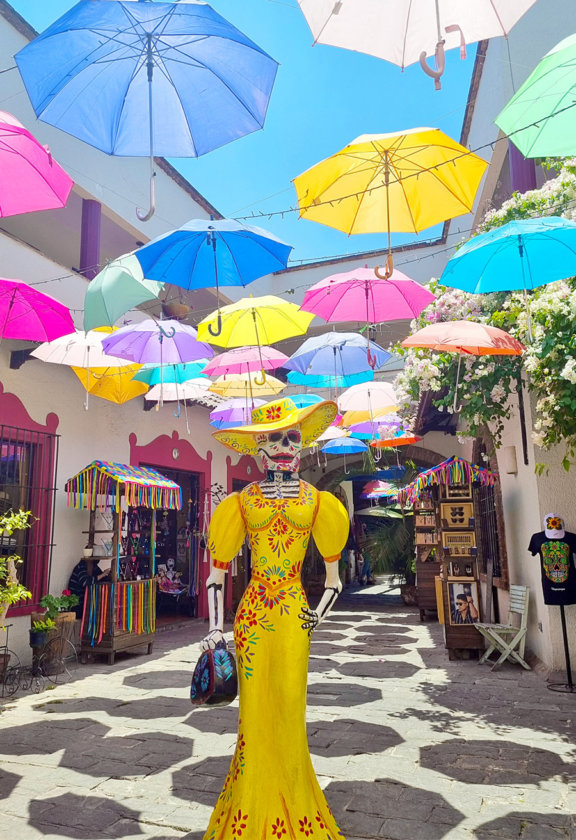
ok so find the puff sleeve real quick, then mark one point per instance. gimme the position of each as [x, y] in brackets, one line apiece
[331, 527]
[227, 531]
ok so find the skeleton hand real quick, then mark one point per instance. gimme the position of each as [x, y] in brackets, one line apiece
[210, 641]
[310, 619]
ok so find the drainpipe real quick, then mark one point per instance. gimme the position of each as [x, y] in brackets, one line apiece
[522, 170]
[90, 238]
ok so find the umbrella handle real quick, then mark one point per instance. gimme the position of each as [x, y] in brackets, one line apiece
[218, 329]
[258, 381]
[346, 472]
[169, 333]
[388, 268]
[145, 216]
[440, 59]
[371, 359]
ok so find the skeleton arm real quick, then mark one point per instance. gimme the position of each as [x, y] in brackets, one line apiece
[215, 590]
[332, 588]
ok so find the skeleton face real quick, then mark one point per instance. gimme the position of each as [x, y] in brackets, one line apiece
[280, 451]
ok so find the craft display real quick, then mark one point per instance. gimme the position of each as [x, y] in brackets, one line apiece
[454, 471]
[273, 625]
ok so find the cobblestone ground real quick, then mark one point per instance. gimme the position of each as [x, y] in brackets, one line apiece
[407, 745]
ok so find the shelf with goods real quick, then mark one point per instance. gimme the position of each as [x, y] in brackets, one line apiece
[459, 571]
[428, 550]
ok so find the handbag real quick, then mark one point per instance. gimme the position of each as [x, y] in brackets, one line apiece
[215, 680]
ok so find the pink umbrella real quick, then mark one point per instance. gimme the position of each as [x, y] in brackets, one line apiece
[245, 360]
[362, 295]
[30, 315]
[29, 178]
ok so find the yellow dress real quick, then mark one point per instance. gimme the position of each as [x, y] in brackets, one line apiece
[271, 791]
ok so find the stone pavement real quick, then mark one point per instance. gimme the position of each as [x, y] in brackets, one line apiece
[407, 745]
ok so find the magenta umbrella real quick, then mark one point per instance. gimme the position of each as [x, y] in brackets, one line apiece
[29, 315]
[245, 360]
[29, 178]
[363, 295]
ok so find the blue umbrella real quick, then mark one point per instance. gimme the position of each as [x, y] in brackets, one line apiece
[336, 354]
[153, 374]
[520, 255]
[145, 78]
[208, 253]
[296, 378]
[304, 400]
[344, 446]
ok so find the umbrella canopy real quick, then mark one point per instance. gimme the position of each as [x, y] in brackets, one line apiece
[401, 438]
[157, 342]
[114, 384]
[30, 315]
[347, 446]
[247, 385]
[332, 433]
[211, 253]
[351, 417]
[401, 182]
[234, 412]
[411, 28]
[378, 489]
[29, 178]
[192, 389]
[245, 360]
[304, 400]
[80, 349]
[522, 254]
[540, 116]
[296, 378]
[466, 337]
[145, 79]
[362, 295]
[336, 354]
[368, 396]
[255, 321]
[156, 374]
[120, 286]
[369, 429]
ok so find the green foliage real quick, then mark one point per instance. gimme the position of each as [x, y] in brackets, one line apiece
[58, 603]
[43, 626]
[389, 544]
[11, 590]
[488, 386]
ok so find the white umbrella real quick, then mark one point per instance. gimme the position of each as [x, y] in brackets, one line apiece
[368, 396]
[408, 31]
[192, 389]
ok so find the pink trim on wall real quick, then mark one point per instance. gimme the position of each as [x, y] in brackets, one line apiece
[13, 413]
[239, 471]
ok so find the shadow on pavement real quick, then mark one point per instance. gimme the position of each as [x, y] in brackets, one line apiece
[8, 782]
[495, 762]
[529, 825]
[379, 669]
[390, 809]
[88, 817]
[218, 721]
[159, 679]
[149, 709]
[201, 782]
[336, 693]
[350, 737]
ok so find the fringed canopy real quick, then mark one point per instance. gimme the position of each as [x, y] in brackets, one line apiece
[102, 483]
[453, 471]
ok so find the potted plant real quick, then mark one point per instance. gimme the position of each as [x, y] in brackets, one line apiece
[39, 631]
[11, 590]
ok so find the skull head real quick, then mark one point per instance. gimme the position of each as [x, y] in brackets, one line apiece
[280, 450]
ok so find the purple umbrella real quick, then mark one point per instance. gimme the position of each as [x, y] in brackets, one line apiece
[236, 412]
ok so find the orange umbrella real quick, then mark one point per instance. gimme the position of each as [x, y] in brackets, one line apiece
[465, 338]
[401, 439]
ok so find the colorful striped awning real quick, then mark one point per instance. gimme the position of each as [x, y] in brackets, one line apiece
[452, 471]
[103, 483]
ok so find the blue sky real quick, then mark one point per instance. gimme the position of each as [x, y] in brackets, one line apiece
[323, 98]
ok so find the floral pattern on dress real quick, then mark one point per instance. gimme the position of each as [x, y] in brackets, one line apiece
[278, 829]
[306, 827]
[239, 823]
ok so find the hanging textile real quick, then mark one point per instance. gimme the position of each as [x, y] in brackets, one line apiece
[452, 471]
[102, 483]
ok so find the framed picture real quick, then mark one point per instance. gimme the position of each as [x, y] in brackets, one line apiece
[463, 602]
[461, 568]
[457, 514]
[457, 491]
[458, 543]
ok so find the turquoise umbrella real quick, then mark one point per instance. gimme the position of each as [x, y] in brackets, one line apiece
[311, 381]
[155, 374]
[116, 289]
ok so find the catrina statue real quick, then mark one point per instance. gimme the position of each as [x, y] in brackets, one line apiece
[271, 791]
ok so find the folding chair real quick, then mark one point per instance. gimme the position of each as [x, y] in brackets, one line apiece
[509, 638]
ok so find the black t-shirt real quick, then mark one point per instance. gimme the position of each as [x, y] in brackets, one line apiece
[557, 567]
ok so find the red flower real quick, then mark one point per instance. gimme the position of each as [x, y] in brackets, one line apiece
[274, 413]
[239, 823]
[319, 819]
[66, 592]
[306, 827]
[278, 828]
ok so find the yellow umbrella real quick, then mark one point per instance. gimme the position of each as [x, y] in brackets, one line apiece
[391, 182]
[246, 385]
[112, 383]
[350, 418]
[254, 321]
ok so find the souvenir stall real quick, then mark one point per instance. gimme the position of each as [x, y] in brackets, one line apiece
[120, 613]
[447, 568]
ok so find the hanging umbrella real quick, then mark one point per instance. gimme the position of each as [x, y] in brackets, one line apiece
[336, 354]
[411, 30]
[402, 182]
[378, 489]
[310, 381]
[332, 433]
[369, 429]
[540, 116]
[465, 338]
[401, 438]
[178, 391]
[344, 446]
[234, 412]
[29, 178]
[255, 321]
[115, 384]
[351, 417]
[157, 342]
[304, 400]
[145, 79]
[370, 397]
[246, 385]
[212, 253]
[154, 374]
[119, 287]
[245, 360]
[29, 315]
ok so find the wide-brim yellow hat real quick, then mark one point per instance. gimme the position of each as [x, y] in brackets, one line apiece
[276, 416]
